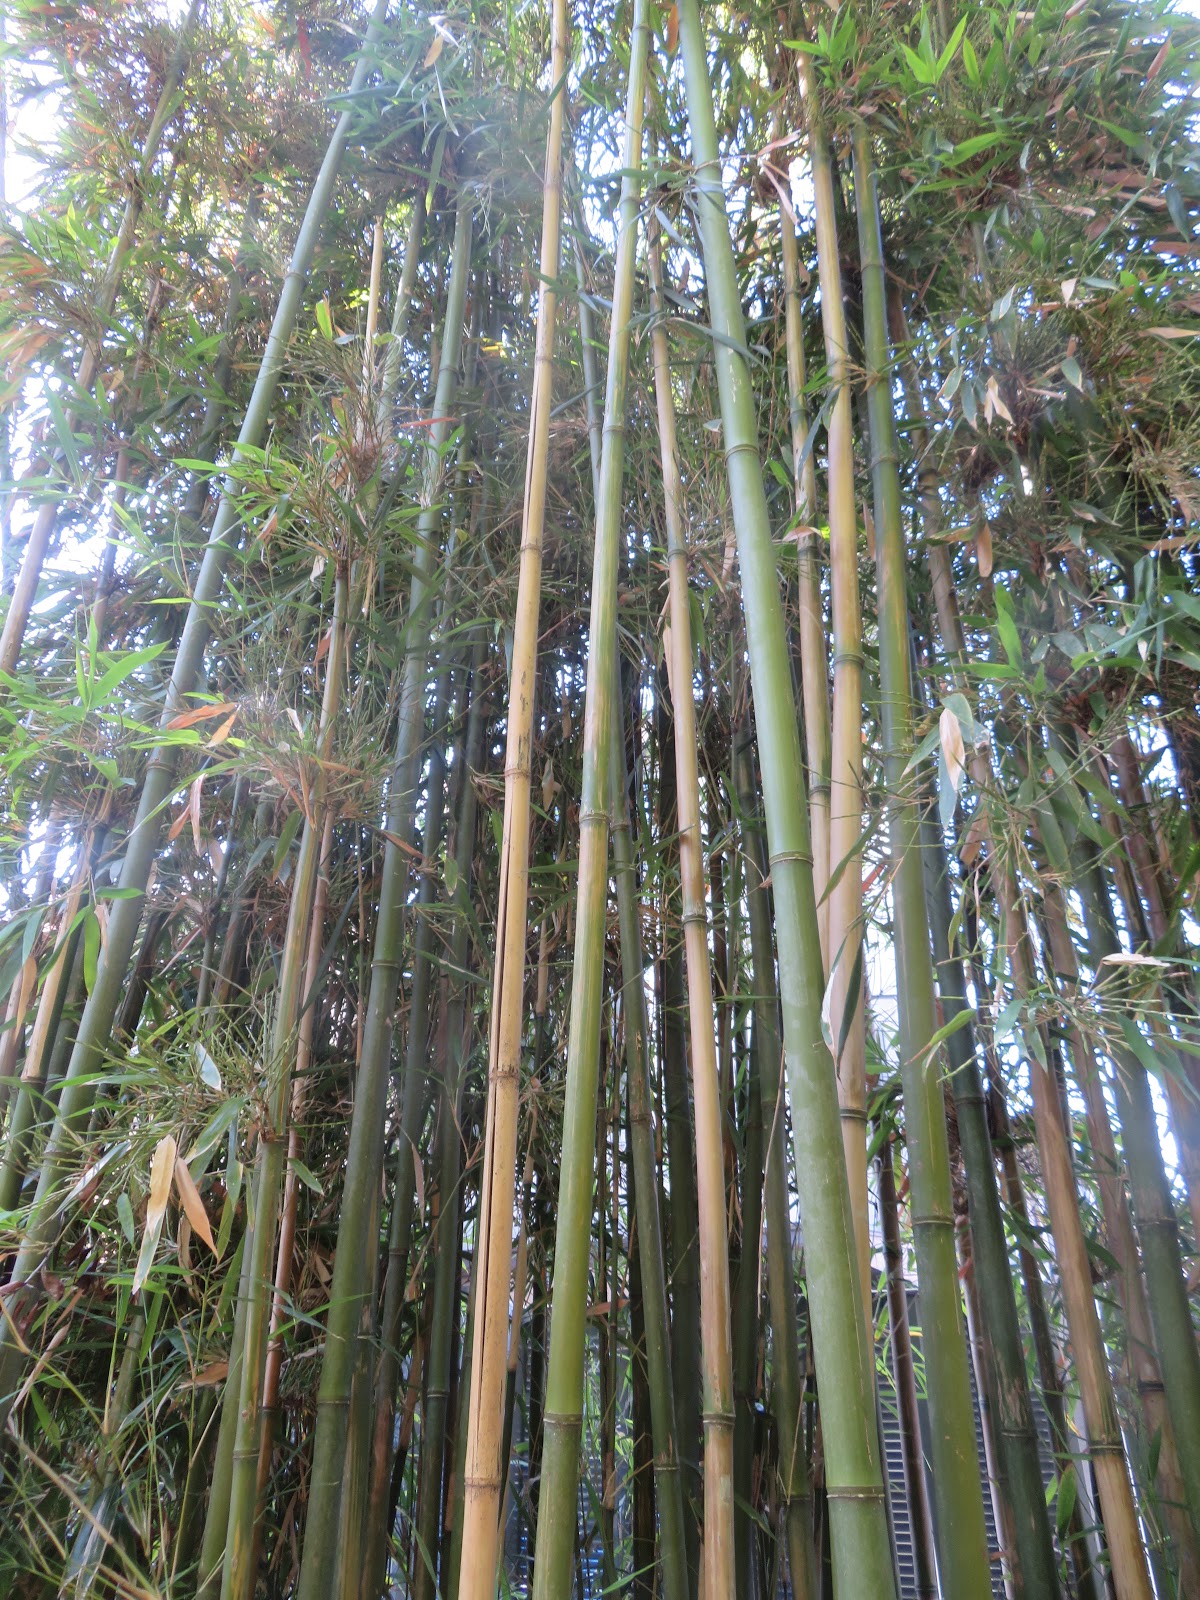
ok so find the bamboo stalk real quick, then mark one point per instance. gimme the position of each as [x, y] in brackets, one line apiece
[564, 1380]
[862, 1555]
[787, 1392]
[716, 1339]
[814, 668]
[957, 1487]
[483, 1473]
[846, 997]
[651, 1257]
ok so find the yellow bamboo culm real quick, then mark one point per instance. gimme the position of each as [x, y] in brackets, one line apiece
[484, 1470]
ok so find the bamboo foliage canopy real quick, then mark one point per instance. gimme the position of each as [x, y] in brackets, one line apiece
[600, 800]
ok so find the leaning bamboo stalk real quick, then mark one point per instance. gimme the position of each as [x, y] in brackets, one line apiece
[354, 1264]
[563, 1421]
[787, 1386]
[37, 545]
[957, 1487]
[858, 1514]
[715, 1309]
[484, 1469]
[846, 998]
[238, 1569]
[125, 915]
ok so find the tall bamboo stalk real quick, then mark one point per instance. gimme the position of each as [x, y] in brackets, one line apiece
[846, 1002]
[354, 1264]
[564, 1378]
[484, 1470]
[958, 1490]
[125, 914]
[651, 1257]
[716, 1333]
[862, 1548]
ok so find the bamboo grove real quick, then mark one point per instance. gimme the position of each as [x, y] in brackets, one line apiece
[600, 750]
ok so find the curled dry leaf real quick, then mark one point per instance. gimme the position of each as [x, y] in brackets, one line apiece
[953, 750]
[162, 1169]
[193, 1206]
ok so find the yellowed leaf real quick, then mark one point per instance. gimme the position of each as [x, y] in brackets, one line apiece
[1068, 287]
[983, 551]
[953, 750]
[193, 1206]
[223, 731]
[672, 30]
[162, 1168]
[434, 51]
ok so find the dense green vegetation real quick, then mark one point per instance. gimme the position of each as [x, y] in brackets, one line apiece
[600, 759]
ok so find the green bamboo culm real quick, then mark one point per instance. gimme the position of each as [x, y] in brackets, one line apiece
[957, 1488]
[787, 1380]
[562, 1424]
[862, 1554]
[358, 1224]
[652, 1267]
[125, 915]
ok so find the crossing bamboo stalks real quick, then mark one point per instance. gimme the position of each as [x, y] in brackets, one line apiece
[24, 591]
[484, 1470]
[564, 1377]
[958, 1490]
[861, 1544]
[354, 1265]
[716, 1332]
[787, 1387]
[238, 1569]
[126, 913]
[846, 990]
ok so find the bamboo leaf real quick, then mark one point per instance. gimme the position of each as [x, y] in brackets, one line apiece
[162, 1170]
[193, 1205]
